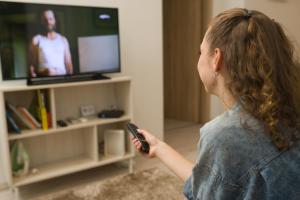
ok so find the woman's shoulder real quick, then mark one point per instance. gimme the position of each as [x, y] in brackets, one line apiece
[229, 120]
[233, 143]
[234, 130]
[232, 136]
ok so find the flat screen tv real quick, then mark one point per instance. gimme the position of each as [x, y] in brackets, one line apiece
[47, 40]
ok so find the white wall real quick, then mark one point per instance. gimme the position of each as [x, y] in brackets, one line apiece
[221, 5]
[286, 12]
[141, 56]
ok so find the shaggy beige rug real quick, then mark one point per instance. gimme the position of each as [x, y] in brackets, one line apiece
[149, 184]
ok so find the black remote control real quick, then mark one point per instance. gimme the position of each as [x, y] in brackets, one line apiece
[133, 129]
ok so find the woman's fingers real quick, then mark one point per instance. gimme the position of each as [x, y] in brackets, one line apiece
[137, 143]
[139, 146]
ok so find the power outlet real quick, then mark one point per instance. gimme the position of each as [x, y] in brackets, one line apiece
[87, 110]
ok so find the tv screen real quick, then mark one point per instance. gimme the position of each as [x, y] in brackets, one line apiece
[44, 40]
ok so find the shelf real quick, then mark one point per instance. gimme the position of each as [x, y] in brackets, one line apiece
[63, 167]
[40, 132]
[104, 160]
[60, 85]
[51, 170]
[28, 133]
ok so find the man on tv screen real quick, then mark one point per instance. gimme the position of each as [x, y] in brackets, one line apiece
[49, 51]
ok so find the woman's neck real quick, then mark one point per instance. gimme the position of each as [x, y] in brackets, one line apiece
[224, 94]
[228, 100]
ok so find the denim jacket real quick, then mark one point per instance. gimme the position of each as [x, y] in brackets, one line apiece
[237, 160]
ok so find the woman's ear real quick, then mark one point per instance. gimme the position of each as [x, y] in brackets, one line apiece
[217, 60]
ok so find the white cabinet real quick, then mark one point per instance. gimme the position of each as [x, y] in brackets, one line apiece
[76, 147]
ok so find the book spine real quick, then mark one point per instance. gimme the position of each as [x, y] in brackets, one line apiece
[42, 110]
[26, 117]
[49, 119]
[19, 116]
[11, 123]
[44, 118]
[30, 117]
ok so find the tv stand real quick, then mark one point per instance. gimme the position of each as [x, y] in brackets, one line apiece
[77, 147]
[98, 76]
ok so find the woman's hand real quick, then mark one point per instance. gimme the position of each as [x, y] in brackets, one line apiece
[170, 157]
[152, 140]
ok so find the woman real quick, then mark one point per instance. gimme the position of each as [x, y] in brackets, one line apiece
[251, 151]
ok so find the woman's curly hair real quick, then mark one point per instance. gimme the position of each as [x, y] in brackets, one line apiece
[262, 70]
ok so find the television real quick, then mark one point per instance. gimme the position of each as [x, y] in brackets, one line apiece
[49, 42]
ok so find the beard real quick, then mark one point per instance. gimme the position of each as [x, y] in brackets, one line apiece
[49, 29]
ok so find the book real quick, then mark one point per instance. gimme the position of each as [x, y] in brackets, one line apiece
[33, 117]
[19, 117]
[12, 125]
[44, 118]
[49, 119]
[29, 117]
[24, 116]
[32, 109]
[42, 110]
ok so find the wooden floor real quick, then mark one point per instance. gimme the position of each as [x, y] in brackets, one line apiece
[182, 136]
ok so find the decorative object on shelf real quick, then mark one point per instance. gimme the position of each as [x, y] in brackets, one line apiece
[19, 159]
[34, 171]
[114, 142]
[61, 123]
[73, 120]
[87, 110]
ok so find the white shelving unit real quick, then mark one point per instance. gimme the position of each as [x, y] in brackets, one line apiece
[64, 150]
